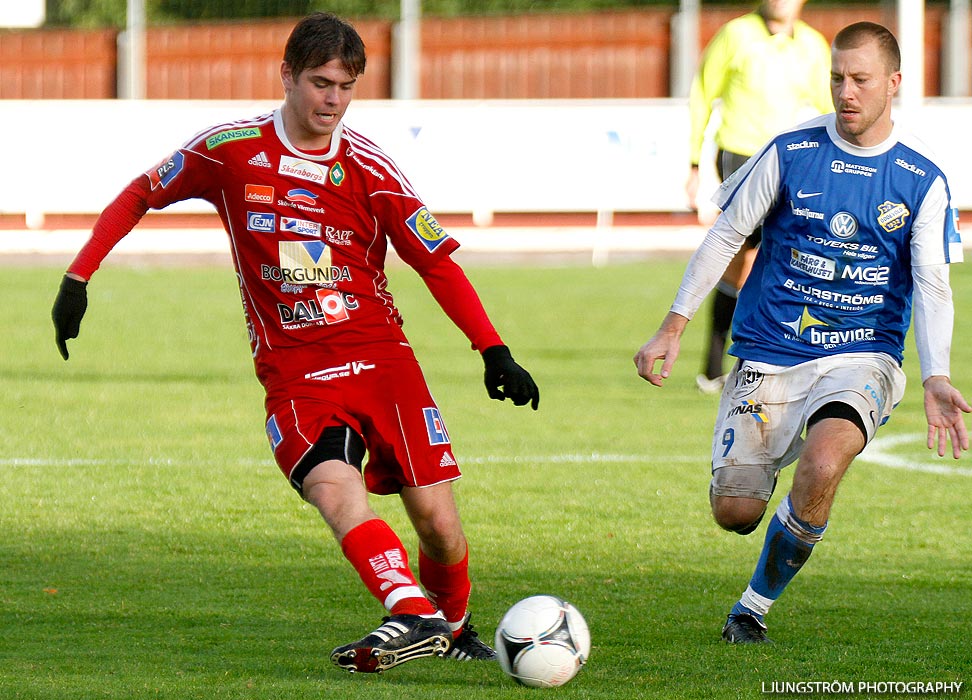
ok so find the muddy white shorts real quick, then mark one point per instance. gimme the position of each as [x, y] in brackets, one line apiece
[765, 408]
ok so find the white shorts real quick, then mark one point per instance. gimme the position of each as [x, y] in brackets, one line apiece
[765, 408]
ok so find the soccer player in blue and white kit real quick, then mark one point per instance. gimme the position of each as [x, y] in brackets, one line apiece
[858, 233]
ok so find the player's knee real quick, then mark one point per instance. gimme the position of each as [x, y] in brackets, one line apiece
[739, 515]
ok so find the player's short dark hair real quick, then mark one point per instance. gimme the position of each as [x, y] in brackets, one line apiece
[854, 35]
[322, 37]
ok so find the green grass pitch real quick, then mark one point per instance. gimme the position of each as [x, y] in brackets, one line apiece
[149, 548]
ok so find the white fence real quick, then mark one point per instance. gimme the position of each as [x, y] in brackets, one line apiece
[479, 157]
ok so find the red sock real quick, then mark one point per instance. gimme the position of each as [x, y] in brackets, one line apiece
[381, 561]
[448, 586]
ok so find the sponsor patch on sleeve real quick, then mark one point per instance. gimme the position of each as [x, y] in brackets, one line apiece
[953, 236]
[166, 171]
[424, 225]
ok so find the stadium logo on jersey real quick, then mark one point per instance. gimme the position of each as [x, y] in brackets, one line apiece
[908, 166]
[437, 430]
[165, 172]
[222, 137]
[863, 274]
[302, 196]
[803, 323]
[301, 227]
[750, 408]
[892, 215]
[843, 168]
[814, 265]
[424, 225]
[260, 160]
[843, 225]
[259, 221]
[336, 174]
[273, 433]
[259, 193]
[303, 169]
[803, 144]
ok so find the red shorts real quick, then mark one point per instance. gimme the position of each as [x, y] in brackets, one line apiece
[386, 401]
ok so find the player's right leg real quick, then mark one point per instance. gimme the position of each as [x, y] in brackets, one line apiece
[335, 487]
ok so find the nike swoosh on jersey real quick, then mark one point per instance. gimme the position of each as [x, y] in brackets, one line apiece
[803, 195]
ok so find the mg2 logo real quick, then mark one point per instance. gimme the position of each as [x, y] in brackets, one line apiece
[866, 275]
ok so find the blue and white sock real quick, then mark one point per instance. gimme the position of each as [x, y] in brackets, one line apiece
[788, 544]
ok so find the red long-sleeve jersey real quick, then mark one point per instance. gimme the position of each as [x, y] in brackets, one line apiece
[309, 234]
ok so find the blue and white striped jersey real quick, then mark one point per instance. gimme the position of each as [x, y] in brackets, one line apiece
[842, 228]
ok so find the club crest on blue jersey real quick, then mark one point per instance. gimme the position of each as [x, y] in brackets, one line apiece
[424, 225]
[891, 215]
[435, 426]
[273, 433]
[166, 171]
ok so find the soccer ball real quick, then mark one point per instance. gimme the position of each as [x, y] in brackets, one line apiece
[542, 641]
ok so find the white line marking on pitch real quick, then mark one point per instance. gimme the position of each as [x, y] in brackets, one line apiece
[880, 452]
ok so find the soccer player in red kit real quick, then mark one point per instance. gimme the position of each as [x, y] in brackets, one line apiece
[310, 206]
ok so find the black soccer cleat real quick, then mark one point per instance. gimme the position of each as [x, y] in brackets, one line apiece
[400, 638]
[745, 629]
[469, 647]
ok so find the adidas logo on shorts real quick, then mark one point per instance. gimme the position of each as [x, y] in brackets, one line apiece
[447, 460]
[260, 160]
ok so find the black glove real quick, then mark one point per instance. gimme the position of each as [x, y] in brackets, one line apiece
[69, 308]
[507, 380]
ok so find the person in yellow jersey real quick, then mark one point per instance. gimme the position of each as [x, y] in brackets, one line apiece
[766, 71]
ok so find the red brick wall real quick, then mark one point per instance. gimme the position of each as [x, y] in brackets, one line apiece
[596, 55]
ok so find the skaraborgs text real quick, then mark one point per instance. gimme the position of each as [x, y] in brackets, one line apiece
[862, 687]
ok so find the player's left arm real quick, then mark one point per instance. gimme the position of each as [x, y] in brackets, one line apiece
[933, 310]
[454, 292]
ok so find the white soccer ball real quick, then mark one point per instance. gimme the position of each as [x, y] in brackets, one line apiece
[542, 641]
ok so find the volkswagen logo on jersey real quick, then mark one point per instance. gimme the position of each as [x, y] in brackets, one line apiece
[843, 225]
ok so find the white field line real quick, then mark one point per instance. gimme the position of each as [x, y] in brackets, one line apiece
[880, 452]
